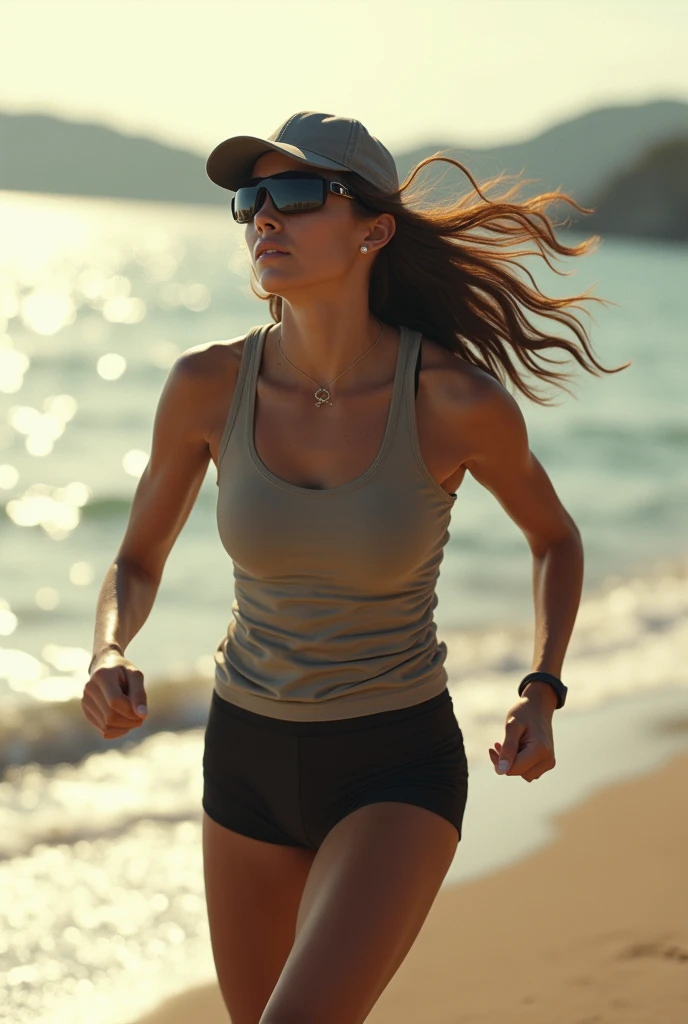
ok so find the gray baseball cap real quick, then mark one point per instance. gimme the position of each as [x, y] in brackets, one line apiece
[324, 140]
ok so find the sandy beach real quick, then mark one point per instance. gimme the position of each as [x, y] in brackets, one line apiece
[590, 929]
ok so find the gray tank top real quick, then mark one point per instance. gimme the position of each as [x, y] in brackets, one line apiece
[334, 588]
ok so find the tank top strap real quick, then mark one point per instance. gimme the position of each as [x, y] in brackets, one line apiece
[411, 340]
[241, 399]
[255, 340]
[405, 384]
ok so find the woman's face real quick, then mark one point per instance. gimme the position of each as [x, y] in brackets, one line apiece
[323, 244]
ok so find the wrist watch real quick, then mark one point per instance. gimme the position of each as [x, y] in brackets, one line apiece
[551, 680]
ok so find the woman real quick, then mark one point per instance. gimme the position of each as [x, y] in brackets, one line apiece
[335, 776]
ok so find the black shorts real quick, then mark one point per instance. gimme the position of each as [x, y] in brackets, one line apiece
[290, 782]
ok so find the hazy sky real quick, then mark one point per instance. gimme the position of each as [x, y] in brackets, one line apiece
[446, 71]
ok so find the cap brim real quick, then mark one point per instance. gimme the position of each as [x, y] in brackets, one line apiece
[232, 161]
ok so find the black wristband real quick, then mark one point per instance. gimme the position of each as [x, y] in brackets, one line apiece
[545, 677]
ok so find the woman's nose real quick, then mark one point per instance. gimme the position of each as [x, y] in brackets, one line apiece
[265, 208]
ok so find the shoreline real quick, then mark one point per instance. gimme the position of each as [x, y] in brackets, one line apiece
[589, 928]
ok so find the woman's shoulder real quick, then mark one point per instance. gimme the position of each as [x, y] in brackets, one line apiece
[461, 400]
[210, 358]
[452, 379]
[211, 369]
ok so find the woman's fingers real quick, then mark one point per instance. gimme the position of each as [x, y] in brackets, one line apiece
[537, 770]
[107, 721]
[117, 710]
[530, 765]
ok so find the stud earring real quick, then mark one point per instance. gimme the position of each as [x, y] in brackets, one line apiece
[364, 248]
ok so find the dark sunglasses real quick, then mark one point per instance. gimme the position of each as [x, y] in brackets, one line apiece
[290, 192]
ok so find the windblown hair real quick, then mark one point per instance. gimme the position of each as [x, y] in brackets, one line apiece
[447, 273]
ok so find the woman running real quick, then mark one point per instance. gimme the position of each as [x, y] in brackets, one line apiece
[335, 776]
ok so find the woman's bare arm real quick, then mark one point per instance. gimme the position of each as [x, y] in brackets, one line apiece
[163, 500]
[501, 460]
[503, 463]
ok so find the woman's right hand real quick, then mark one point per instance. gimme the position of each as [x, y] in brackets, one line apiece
[113, 694]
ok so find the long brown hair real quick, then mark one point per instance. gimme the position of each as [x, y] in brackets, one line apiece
[444, 273]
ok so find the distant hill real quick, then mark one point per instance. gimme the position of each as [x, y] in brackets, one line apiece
[579, 155]
[650, 199]
[40, 153]
[583, 156]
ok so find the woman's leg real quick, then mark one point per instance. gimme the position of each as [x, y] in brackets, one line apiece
[253, 889]
[369, 890]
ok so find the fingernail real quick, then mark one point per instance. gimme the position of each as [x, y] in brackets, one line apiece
[502, 767]
[142, 709]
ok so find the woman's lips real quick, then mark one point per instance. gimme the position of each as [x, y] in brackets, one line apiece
[270, 255]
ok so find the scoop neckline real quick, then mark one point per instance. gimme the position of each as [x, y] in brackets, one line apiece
[386, 437]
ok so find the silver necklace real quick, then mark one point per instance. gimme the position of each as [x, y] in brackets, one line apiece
[322, 395]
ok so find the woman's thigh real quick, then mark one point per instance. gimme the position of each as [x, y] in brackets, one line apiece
[253, 891]
[371, 886]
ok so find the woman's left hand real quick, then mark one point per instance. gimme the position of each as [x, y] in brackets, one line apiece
[528, 747]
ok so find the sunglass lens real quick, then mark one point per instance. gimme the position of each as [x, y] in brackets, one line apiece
[289, 195]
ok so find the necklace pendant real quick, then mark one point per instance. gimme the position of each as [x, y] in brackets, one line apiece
[325, 400]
